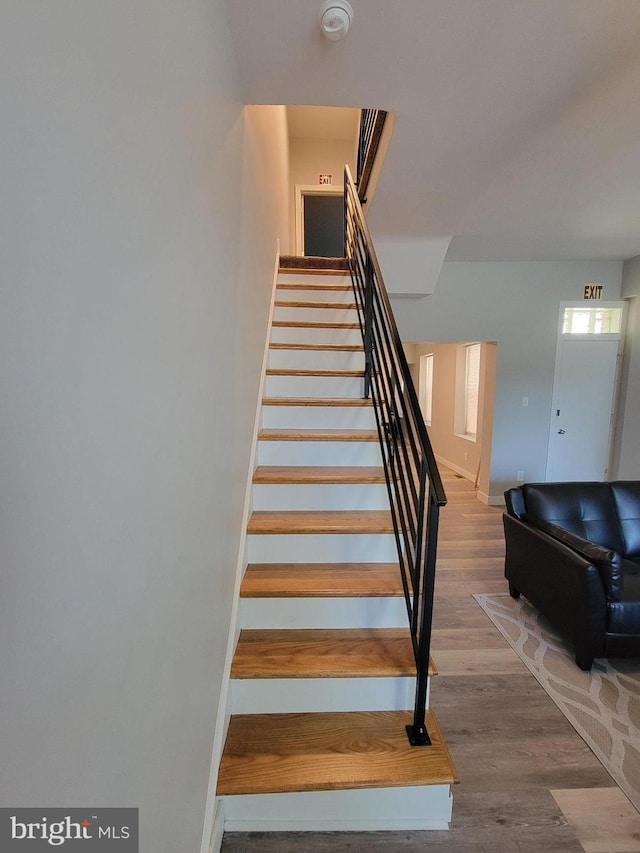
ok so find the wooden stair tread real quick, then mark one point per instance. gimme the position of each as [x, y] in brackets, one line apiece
[323, 580]
[333, 521]
[318, 435]
[320, 266]
[318, 474]
[324, 653]
[303, 303]
[312, 371]
[278, 753]
[313, 285]
[312, 271]
[318, 347]
[311, 324]
[280, 345]
[317, 401]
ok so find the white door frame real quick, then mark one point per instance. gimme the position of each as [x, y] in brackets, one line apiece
[617, 336]
[302, 190]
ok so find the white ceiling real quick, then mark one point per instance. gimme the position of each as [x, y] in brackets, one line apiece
[517, 121]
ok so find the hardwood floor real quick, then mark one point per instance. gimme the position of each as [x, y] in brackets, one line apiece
[528, 782]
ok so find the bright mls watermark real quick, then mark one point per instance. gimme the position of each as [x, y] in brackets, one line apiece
[100, 830]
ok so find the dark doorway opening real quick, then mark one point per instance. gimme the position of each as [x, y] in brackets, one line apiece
[323, 226]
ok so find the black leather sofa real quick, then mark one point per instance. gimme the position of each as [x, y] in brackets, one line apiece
[573, 550]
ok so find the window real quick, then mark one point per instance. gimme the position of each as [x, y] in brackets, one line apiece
[472, 389]
[591, 321]
[467, 391]
[426, 386]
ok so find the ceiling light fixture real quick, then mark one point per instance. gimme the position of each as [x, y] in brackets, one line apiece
[335, 18]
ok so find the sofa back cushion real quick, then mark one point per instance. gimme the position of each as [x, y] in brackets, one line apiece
[585, 509]
[626, 498]
[514, 502]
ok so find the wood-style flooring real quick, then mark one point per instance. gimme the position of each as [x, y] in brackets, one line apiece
[528, 782]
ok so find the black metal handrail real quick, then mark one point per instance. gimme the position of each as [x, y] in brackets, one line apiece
[371, 126]
[413, 481]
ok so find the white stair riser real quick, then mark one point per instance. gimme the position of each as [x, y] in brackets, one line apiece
[316, 315]
[361, 612]
[320, 335]
[365, 809]
[314, 386]
[318, 417]
[314, 279]
[321, 548]
[320, 496]
[316, 359]
[319, 453]
[315, 294]
[309, 695]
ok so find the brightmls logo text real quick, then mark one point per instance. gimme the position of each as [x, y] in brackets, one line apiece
[55, 833]
[82, 830]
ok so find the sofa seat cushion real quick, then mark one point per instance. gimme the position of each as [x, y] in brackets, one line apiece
[623, 617]
[631, 580]
[586, 509]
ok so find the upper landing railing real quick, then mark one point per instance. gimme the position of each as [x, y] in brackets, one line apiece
[413, 481]
[371, 127]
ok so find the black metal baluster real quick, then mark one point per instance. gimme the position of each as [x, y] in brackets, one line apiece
[411, 473]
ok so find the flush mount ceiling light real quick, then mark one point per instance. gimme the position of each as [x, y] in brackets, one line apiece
[335, 18]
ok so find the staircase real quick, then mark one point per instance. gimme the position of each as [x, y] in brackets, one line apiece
[323, 677]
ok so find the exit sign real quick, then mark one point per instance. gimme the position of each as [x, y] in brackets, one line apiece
[325, 180]
[593, 291]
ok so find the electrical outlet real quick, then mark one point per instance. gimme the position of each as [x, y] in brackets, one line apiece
[525, 402]
[520, 476]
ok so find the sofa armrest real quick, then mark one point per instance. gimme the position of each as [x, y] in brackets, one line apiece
[560, 582]
[609, 563]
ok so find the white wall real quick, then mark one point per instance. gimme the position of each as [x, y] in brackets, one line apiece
[410, 267]
[469, 458]
[310, 158]
[128, 374]
[516, 305]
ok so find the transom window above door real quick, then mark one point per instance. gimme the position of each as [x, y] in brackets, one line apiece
[587, 320]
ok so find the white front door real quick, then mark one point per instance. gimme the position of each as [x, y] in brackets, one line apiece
[581, 416]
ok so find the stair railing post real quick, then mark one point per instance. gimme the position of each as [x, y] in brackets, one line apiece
[368, 326]
[345, 210]
[425, 571]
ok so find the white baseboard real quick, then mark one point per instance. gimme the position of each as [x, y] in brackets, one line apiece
[468, 475]
[223, 715]
[491, 500]
[215, 842]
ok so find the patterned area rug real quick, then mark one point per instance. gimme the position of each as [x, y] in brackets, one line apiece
[603, 705]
